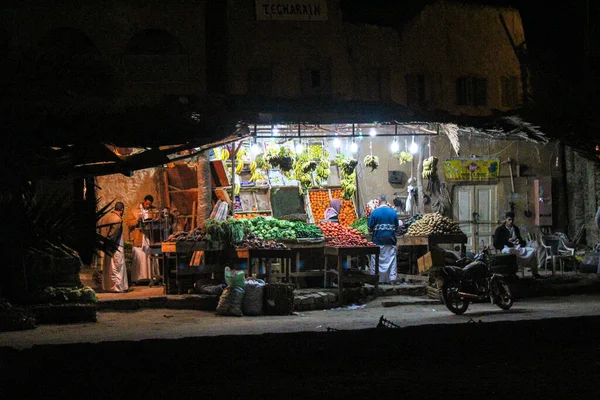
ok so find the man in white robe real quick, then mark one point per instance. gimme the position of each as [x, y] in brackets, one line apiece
[143, 268]
[114, 270]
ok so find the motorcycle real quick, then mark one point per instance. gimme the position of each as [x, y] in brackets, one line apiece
[475, 281]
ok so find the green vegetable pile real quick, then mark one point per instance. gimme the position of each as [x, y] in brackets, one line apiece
[361, 225]
[60, 295]
[272, 228]
[229, 231]
[308, 231]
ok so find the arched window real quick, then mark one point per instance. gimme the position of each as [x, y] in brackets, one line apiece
[154, 41]
[66, 60]
[154, 55]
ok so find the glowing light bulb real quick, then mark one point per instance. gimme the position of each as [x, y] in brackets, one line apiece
[337, 143]
[353, 147]
[413, 147]
[372, 132]
[255, 149]
[395, 146]
[275, 131]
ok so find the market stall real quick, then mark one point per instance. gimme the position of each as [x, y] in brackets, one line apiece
[429, 231]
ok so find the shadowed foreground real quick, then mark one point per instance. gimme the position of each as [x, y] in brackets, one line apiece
[554, 358]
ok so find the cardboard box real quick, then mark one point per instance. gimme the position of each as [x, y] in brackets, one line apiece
[434, 258]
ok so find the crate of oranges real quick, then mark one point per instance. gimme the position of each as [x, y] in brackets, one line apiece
[348, 213]
[318, 202]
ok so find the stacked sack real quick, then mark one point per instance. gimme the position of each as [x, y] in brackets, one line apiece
[230, 302]
[241, 297]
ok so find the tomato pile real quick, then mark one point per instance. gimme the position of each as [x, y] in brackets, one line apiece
[343, 236]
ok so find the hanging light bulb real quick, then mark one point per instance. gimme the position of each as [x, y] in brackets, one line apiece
[353, 147]
[337, 143]
[275, 131]
[372, 132]
[395, 146]
[255, 148]
[413, 147]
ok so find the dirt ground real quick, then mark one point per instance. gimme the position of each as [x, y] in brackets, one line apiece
[546, 358]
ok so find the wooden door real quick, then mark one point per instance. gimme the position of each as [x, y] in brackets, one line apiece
[475, 208]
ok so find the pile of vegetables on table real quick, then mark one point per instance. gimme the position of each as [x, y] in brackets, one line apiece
[194, 235]
[343, 236]
[434, 224]
[361, 225]
[272, 228]
[406, 223]
[254, 242]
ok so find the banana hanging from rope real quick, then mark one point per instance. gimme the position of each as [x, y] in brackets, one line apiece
[224, 154]
[239, 167]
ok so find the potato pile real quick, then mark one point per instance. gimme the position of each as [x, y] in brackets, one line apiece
[434, 224]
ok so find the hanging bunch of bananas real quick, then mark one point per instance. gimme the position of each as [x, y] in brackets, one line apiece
[403, 157]
[348, 186]
[240, 154]
[323, 171]
[239, 166]
[372, 162]
[224, 154]
[315, 151]
[309, 166]
[430, 167]
[236, 189]
[257, 175]
[261, 163]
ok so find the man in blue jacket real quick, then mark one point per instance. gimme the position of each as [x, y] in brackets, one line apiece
[383, 223]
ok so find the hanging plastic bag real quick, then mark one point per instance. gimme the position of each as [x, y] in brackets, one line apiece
[253, 298]
[236, 278]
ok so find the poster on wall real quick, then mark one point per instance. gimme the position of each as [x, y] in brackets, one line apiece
[471, 169]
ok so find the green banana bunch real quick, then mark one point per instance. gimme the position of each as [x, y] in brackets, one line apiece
[371, 162]
[429, 167]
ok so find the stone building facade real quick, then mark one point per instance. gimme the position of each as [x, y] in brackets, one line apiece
[138, 52]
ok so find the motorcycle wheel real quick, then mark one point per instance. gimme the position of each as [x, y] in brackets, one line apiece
[502, 296]
[453, 301]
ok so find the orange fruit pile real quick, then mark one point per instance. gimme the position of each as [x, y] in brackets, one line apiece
[348, 214]
[319, 201]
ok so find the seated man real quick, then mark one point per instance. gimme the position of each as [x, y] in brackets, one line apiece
[507, 239]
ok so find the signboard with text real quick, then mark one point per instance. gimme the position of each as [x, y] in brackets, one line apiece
[291, 10]
[471, 169]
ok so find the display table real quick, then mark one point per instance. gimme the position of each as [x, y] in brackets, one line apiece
[430, 241]
[298, 247]
[361, 277]
[287, 261]
[181, 252]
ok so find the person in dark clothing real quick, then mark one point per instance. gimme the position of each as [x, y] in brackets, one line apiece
[507, 239]
[383, 223]
[508, 234]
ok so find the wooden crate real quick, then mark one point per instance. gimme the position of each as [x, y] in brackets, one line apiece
[434, 258]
